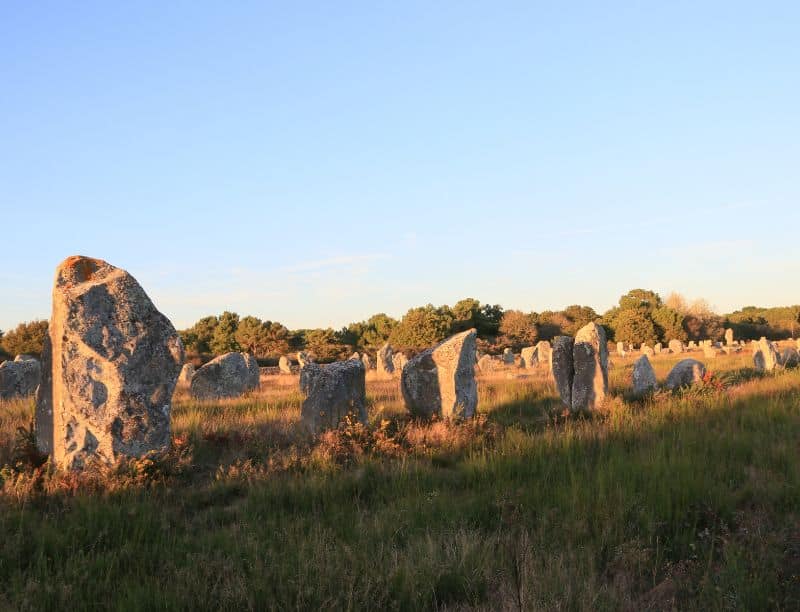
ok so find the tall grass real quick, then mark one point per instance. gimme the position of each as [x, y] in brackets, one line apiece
[685, 501]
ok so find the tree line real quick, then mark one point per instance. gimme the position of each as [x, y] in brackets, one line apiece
[641, 316]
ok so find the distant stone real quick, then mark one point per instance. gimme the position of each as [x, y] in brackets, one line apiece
[229, 375]
[366, 361]
[111, 364]
[676, 346]
[621, 349]
[529, 357]
[25, 357]
[399, 360]
[440, 381]
[303, 358]
[486, 364]
[644, 377]
[562, 367]
[648, 352]
[19, 378]
[692, 345]
[285, 366]
[656, 349]
[590, 359]
[765, 357]
[508, 356]
[385, 365]
[710, 352]
[185, 376]
[729, 336]
[790, 358]
[543, 351]
[332, 392]
[685, 373]
[797, 342]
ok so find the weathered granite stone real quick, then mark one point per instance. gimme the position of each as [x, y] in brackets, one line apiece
[185, 376]
[366, 361]
[765, 357]
[529, 357]
[399, 360]
[304, 358]
[621, 349]
[676, 346]
[656, 349]
[229, 375]
[790, 358]
[112, 363]
[385, 365]
[685, 373]
[644, 377]
[19, 378]
[646, 350]
[332, 392]
[729, 336]
[486, 364]
[543, 350]
[285, 366]
[440, 381]
[590, 360]
[562, 367]
[508, 356]
[25, 357]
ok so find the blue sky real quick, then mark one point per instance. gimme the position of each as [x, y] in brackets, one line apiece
[315, 163]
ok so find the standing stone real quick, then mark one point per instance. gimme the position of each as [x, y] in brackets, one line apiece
[646, 350]
[486, 364]
[692, 345]
[797, 342]
[656, 349]
[332, 392]
[729, 337]
[676, 346]
[590, 359]
[185, 376]
[366, 361]
[229, 375]
[685, 373]
[303, 358]
[790, 358]
[543, 351]
[284, 365]
[710, 352]
[440, 381]
[112, 363]
[621, 349]
[508, 356]
[385, 364]
[562, 367]
[19, 378]
[529, 357]
[765, 357]
[644, 377]
[399, 360]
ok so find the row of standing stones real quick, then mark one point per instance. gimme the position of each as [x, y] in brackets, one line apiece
[111, 363]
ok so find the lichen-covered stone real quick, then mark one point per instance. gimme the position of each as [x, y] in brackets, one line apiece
[112, 361]
[366, 361]
[685, 373]
[590, 360]
[440, 381]
[543, 351]
[331, 393]
[729, 337]
[399, 360]
[19, 378]
[486, 364]
[656, 349]
[303, 358]
[562, 367]
[644, 377]
[385, 366]
[284, 365]
[229, 375]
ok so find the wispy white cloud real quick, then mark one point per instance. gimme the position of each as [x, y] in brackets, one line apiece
[333, 262]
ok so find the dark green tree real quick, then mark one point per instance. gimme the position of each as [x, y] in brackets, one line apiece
[25, 338]
[224, 337]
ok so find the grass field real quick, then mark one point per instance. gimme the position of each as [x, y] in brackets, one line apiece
[686, 501]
